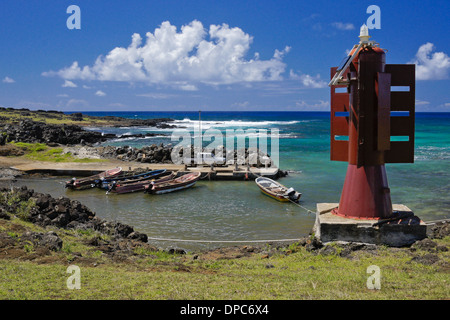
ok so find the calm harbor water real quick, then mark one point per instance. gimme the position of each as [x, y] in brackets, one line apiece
[237, 210]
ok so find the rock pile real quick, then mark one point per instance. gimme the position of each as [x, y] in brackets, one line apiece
[38, 132]
[168, 154]
[44, 210]
[148, 154]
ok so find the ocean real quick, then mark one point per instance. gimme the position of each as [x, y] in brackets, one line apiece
[215, 211]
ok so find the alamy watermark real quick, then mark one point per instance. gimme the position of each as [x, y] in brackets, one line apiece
[374, 281]
[374, 21]
[73, 281]
[74, 20]
[241, 147]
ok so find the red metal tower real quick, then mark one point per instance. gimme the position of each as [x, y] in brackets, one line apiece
[366, 121]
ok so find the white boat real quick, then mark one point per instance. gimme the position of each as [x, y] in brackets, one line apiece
[277, 191]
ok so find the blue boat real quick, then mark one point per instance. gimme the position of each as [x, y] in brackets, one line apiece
[106, 183]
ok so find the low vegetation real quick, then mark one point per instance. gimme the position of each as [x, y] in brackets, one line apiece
[42, 152]
[27, 271]
[9, 115]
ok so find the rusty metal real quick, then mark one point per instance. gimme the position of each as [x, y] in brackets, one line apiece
[363, 114]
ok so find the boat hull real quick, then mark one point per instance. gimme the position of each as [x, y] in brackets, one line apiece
[180, 183]
[276, 190]
[273, 196]
[90, 182]
[107, 183]
[162, 191]
[139, 186]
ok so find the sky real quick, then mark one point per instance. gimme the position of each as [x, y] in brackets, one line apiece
[208, 55]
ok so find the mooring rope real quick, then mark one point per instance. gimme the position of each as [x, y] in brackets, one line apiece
[299, 205]
[222, 241]
[435, 221]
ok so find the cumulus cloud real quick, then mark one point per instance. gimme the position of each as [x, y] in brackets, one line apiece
[8, 80]
[320, 105]
[431, 65]
[100, 93]
[308, 81]
[69, 84]
[193, 54]
[77, 103]
[343, 26]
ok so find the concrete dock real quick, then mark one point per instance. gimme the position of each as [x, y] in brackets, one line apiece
[75, 169]
[396, 232]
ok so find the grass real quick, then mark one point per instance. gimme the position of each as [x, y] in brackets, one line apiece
[300, 276]
[42, 152]
[11, 115]
[290, 273]
[159, 275]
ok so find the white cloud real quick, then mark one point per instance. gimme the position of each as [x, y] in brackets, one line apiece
[188, 87]
[194, 54]
[421, 102]
[100, 93]
[69, 84]
[8, 80]
[431, 65]
[241, 104]
[343, 26]
[156, 95]
[308, 81]
[77, 103]
[320, 105]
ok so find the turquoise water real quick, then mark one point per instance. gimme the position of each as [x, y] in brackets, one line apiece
[236, 210]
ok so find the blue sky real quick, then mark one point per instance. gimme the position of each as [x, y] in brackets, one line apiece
[207, 55]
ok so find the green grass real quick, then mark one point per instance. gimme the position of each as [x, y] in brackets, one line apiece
[159, 275]
[291, 273]
[42, 152]
[17, 115]
[298, 276]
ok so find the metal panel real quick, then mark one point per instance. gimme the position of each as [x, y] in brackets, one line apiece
[401, 126]
[402, 101]
[339, 102]
[402, 75]
[383, 90]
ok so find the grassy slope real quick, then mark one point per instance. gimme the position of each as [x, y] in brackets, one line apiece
[292, 273]
[42, 152]
[51, 118]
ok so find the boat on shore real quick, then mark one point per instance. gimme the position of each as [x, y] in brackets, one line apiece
[90, 182]
[277, 191]
[129, 178]
[183, 182]
[126, 187]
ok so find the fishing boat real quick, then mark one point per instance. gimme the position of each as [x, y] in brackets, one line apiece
[277, 191]
[129, 178]
[180, 183]
[89, 182]
[126, 187]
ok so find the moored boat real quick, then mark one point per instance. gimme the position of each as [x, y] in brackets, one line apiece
[90, 182]
[125, 187]
[183, 182]
[276, 190]
[130, 178]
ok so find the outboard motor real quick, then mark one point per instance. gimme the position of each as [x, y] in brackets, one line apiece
[293, 195]
[70, 183]
[112, 186]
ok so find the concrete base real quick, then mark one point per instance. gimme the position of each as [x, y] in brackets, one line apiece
[396, 233]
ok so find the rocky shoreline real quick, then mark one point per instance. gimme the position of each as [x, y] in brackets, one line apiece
[59, 214]
[56, 215]
[30, 131]
[82, 143]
